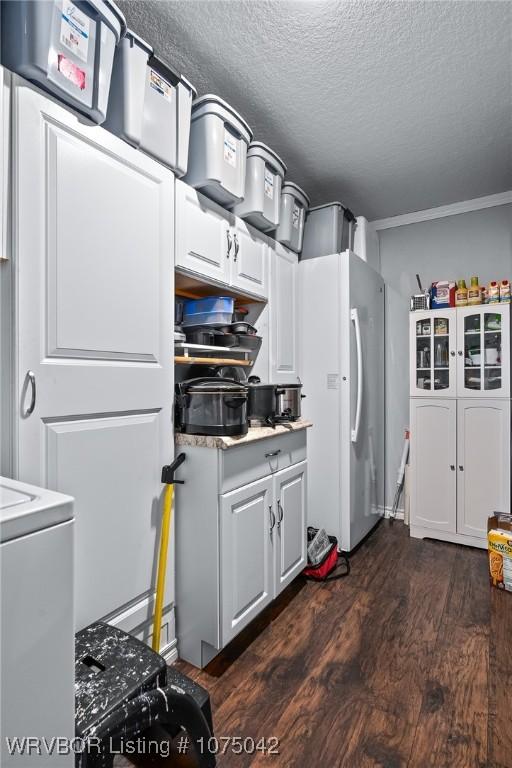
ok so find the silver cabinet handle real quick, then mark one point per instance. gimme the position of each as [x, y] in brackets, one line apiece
[30, 379]
[280, 512]
[272, 518]
[273, 453]
[237, 247]
[228, 235]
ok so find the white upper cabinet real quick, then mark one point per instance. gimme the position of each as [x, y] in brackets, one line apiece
[204, 242]
[250, 260]
[483, 351]
[284, 366]
[432, 351]
[215, 245]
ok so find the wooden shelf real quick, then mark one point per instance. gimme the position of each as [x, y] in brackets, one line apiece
[188, 360]
[188, 287]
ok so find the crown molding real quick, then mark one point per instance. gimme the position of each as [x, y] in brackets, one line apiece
[465, 206]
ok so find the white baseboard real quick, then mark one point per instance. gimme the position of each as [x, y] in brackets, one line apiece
[399, 513]
[170, 652]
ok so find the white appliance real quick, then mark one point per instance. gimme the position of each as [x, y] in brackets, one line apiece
[342, 369]
[37, 645]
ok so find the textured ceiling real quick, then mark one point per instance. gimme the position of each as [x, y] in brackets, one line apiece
[390, 107]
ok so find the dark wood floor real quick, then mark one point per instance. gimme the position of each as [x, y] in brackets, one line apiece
[407, 662]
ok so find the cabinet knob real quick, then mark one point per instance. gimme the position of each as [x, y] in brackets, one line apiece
[461, 468]
[452, 467]
[452, 353]
[459, 353]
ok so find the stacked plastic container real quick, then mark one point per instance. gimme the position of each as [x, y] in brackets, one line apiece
[219, 138]
[294, 205]
[263, 179]
[326, 230]
[212, 310]
[150, 104]
[64, 47]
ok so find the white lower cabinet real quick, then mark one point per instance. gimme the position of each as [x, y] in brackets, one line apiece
[460, 461]
[240, 537]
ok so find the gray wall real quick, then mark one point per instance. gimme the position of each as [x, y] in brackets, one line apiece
[476, 243]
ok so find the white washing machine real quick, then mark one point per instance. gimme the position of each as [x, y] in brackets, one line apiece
[36, 626]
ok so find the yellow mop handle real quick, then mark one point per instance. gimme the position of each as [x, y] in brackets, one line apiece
[162, 565]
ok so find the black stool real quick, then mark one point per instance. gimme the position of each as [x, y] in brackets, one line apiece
[122, 687]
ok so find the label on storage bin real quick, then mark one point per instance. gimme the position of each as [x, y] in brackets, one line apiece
[296, 216]
[229, 149]
[74, 30]
[269, 184]
[160, 85]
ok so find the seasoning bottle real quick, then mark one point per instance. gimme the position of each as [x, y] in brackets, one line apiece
[461, 294]
[505, 291]
[474, 292]
[493, 292]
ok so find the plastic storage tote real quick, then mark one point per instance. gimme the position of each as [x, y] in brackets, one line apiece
[263, 179]
[326, 230]
[149, 104]
[213, 310]
[64, 47]
[219, 138]
[294, 204]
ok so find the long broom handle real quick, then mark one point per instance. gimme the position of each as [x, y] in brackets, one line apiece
[162, 566]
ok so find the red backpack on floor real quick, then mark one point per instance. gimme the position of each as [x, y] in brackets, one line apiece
[330, 563]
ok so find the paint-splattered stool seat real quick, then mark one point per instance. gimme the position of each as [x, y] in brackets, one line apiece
[122, 687]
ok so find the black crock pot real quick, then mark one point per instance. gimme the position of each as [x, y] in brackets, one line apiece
[211, 406]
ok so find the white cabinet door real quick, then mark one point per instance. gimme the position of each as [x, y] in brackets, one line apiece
[249, 262]
[284, 316]
[93, 241]
[204, 240]
[432, 353]
[483, 458]
[290, 540]
[483, 353]
[247, 529]
[433, 460]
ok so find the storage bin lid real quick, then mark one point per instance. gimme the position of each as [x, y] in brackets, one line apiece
[335, 204]
[131, 35]
[211, 104]
[258, 149]
[289, 188]
[112, 16]
[189, 85]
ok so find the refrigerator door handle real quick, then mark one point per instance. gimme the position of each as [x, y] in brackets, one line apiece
[354, 316]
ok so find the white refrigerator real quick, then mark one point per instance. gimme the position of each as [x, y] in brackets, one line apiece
[342, 366]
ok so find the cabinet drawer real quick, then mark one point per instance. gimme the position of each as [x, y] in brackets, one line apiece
[249, 463]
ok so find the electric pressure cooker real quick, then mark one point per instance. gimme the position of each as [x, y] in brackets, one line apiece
[211, 406]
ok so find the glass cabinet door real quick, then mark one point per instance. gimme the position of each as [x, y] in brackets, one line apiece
[433, 353]
[484, 351]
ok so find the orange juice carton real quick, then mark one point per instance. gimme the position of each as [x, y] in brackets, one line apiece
[499, 544]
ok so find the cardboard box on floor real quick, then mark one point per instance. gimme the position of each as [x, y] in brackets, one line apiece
[499, 544]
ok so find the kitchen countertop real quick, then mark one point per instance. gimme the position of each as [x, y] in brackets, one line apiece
[254, 433]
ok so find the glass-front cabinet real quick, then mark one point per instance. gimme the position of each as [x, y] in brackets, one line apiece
[433, 344]
[483, 351]
[460, 352]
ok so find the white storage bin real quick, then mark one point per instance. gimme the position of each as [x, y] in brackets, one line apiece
[65, 47]
[263, 179]
[149, 104]
[294, 204]
[326, 230]
[219, 138]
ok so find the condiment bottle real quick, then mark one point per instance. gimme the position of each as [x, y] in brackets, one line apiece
[505, 291]
[461, 294]
[493, 292]
[474, 292]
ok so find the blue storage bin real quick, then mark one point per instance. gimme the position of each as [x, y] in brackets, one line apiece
[212, 310]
